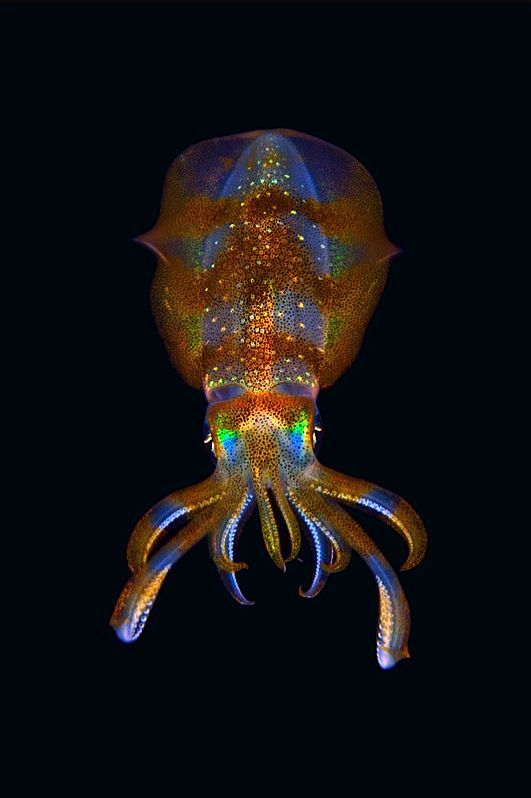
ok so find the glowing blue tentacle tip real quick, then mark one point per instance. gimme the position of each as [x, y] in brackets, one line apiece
[388, 659]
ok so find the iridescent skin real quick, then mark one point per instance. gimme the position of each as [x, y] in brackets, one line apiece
[272, 256]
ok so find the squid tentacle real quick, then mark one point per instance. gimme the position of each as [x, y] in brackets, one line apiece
[389, 507]
[222, 545]
[323, 552]
[268, 521]
[154, 523]
[309, 502]
[289, 517]
[324, 555]
[394, 620]
[138, 596]
[237, 499]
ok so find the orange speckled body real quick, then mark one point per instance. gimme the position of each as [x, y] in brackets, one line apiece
[267, 284]
[272, 256]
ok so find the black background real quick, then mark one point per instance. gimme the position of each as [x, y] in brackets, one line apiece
[422, 96]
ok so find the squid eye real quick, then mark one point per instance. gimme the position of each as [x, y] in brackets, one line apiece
[318, 432]
[209, 443]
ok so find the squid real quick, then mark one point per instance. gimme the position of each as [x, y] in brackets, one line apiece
[272, 256]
